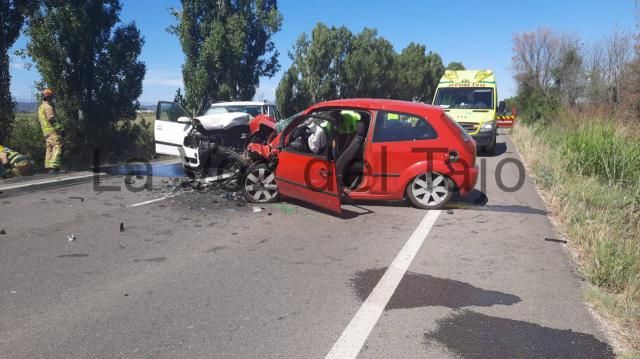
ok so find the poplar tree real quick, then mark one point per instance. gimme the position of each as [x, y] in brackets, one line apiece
[227, 46]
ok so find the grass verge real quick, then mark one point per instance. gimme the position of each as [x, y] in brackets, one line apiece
[589, 173]
[136, 141]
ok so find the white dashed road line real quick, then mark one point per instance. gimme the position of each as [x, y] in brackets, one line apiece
[152, 201]
[356, 333]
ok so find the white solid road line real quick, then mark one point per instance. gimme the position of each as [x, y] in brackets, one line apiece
[358, 330]
[152, 201]
[60, 179]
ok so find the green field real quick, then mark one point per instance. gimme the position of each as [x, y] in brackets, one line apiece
[150, 118]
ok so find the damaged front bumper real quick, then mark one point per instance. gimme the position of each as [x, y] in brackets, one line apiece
[198, 149]
[190, 158]
[211, 162]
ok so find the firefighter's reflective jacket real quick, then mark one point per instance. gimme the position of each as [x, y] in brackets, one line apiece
[14, 162]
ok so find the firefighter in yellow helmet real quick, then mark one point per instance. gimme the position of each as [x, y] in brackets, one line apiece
[51, 131]
[14, 163]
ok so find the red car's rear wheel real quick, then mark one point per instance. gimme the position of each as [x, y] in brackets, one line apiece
[430, 190]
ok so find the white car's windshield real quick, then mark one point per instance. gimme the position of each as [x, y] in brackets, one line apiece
[253, 110]
[458, 97]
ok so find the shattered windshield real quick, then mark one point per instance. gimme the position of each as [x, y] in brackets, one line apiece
[282, 124]
[467, 98]
[253, 110]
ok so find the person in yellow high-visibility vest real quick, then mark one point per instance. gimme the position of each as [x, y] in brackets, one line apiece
[345, 127]
[12, 162]
[51, 132]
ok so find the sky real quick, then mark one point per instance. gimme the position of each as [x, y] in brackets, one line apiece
[477, 33]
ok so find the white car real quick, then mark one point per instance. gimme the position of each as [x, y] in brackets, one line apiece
[225, 123]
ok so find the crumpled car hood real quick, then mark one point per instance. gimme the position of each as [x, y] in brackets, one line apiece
[219, 121]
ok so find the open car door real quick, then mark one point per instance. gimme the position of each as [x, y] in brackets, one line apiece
[306, 176]
[169, 133]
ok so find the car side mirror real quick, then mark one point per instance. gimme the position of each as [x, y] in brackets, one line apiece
[184, 119]
[502, 106]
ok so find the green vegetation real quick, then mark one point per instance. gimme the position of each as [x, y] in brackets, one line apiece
[598, 204]
[455, 66]
[598, 150]
[80, 49]
[579, 131]
[12, 15]
[225, 43]
[536, 105]
[27, 138]
[334, 63]
[83, 51]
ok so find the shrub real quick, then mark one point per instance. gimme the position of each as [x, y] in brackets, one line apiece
[134, 141]
[598, 150]
[536, 105]
[27, 138]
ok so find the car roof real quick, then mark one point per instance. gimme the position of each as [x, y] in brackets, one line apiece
[240, 103]
[381, 104]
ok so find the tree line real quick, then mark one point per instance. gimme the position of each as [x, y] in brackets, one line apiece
[556, 71]
[92, 60]
[83, 50]
[332, 63]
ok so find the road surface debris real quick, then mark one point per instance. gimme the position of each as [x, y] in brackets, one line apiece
[555, 240]
[197, 194]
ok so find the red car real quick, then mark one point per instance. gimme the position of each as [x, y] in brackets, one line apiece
[361, 149]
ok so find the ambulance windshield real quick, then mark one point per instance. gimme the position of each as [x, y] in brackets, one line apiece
[465, 98]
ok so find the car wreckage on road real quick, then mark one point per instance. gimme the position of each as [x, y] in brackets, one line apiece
[373, 149]
[199, 141]
[349, 150]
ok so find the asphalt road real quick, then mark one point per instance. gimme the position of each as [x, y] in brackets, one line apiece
[197, 276]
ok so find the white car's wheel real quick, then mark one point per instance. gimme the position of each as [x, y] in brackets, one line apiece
[259, 184]
[430, 190]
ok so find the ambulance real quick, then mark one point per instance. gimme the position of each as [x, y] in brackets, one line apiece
[470, 97]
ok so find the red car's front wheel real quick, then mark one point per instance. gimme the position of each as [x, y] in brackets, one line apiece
[430, 190]
[259, 184]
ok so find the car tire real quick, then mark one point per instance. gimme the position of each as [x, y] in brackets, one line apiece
[259, 184]
[491, 150]
[190, 174]
[434, 196]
